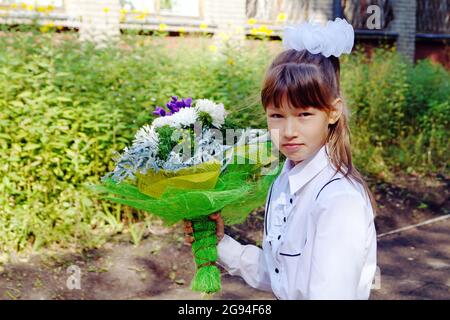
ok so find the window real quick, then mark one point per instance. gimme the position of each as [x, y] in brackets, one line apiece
[139, 5]
[36, 3]
[185, 8]
[189, 8]
[268, 11]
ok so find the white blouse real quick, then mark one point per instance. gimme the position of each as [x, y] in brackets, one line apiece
[319, 237]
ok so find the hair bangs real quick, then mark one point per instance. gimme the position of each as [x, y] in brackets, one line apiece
[295, 86]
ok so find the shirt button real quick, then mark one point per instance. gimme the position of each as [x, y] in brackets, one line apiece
[279, 237]
[276, 270]
[284, 219]
[290, 200]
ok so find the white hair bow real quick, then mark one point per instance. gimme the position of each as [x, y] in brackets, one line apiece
[336, 38]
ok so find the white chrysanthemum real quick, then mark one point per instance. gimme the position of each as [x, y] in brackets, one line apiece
[162, 121]
[147, 135]
[216, 111]
[184, 117]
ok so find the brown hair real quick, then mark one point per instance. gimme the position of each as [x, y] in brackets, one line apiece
[305, 80]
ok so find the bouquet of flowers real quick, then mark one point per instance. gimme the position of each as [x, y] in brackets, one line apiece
[180, 168]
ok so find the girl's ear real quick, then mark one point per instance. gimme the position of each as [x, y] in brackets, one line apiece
[336, 113]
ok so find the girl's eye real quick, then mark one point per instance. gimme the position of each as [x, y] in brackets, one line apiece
[305, 114]
[276, 115]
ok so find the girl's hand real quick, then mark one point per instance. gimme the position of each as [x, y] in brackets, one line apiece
[188, 231]
[219, 225]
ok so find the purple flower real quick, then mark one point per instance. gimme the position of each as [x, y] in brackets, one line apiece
[174, 105]
[160, 111]
[180, 104]
[187, 102]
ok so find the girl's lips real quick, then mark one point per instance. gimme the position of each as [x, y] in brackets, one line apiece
[292, 146]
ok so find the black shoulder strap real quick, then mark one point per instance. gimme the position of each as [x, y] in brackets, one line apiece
[270, 197]
[268, 207]
[326, 185]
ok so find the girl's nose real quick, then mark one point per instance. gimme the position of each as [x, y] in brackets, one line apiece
[291, 129]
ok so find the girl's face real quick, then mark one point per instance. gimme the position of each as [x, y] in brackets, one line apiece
[298, 133]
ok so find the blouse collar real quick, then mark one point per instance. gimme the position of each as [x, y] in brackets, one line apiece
[299, 175]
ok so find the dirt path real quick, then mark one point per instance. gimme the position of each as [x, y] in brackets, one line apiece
[120, 270]
[414, 264]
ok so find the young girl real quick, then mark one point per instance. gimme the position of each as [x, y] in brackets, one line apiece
[319, 236]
